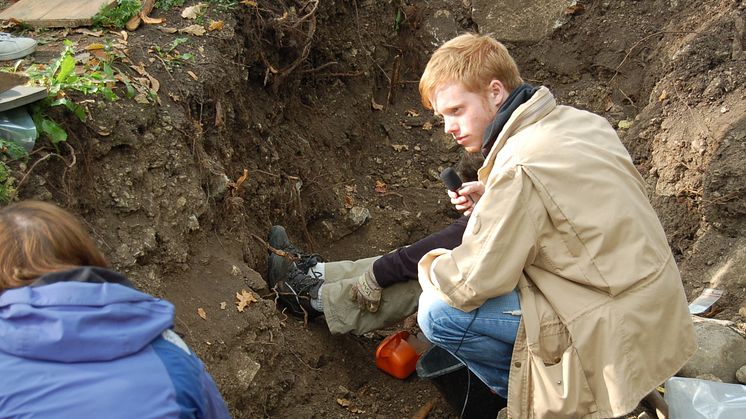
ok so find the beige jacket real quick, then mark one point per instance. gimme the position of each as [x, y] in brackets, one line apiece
[566, 220]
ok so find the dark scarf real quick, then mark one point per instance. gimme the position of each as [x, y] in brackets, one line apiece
[517, 97]
[91, 274]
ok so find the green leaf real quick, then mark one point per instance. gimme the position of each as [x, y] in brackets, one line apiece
[55, 132]
[73, 107]
[12, 150]
[66, 68]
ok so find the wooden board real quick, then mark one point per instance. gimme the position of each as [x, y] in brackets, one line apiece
[21, 95]
[55, 13]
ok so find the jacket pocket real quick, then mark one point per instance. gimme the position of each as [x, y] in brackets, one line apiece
[559, 390]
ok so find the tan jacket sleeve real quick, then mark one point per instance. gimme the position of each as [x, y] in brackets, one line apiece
[499, 240]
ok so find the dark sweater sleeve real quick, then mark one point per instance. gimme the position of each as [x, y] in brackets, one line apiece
[401, 264]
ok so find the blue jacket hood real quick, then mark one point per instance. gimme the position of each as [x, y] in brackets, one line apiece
[82, 315]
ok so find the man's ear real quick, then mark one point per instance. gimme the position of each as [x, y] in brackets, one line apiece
[497, 92]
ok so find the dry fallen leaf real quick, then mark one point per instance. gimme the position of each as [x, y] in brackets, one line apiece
[427, 126]
[400, 147]
[344, 402]
[192, 75]
[92, 47]
[89, 32]
[251, 3]
[349, 203]
[196, 30]
[380, 187]
[223, 305]
[236, 186]
[413, 113]
[243, 299]
[192, 12]
[201, 313]
[216, 25]
[663, 96]
[577, 9]
[167, 29]
[155, 85]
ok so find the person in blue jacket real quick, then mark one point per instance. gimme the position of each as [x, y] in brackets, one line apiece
[78, 339]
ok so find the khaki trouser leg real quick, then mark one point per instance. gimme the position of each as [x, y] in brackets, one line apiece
[343, 314]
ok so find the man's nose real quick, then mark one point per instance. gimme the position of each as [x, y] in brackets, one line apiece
[450, 126]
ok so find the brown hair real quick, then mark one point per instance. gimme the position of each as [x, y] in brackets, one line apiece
[37, 238]
[474, 60]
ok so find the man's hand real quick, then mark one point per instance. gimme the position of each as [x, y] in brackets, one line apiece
[367, 292]
[467, 196]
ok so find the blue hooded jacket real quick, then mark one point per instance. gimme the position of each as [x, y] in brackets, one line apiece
[83, 343]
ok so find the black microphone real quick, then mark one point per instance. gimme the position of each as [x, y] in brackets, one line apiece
[452, 181]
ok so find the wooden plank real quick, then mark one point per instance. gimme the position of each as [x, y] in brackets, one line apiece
[55, 13]
[21, 95]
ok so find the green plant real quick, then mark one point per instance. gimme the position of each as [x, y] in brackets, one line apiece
[60, 77]
[170, 56]
[8, 151]
[166, 5]
[117, 17]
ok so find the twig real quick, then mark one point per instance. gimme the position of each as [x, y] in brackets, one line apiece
[186, 326]
[321, 67]
[624, 60]
[394, 82]
[347, 74]
[425, 409]
[628, 98]
[95, 233]
[302, 361]
[290, 256]
[33, 166]
[616, 70]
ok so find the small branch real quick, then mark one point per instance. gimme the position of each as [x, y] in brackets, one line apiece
[425, 410]
[290, 256]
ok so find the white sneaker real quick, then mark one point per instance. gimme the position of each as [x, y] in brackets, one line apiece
[12, 47]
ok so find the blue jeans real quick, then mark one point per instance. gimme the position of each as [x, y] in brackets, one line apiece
[482, 339]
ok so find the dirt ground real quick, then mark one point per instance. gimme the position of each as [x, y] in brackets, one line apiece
[302, 99]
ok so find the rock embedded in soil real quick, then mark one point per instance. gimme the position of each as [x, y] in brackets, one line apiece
[741, 375]
[720, 352]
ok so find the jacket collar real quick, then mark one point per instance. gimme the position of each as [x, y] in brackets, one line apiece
[89, 274]
[517, 97]
[536, 108]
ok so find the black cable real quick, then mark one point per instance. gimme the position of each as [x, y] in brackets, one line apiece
[468, 372]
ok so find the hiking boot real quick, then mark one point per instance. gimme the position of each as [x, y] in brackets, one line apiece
[12, 47]
[288, 275]
[278, 266]
[297, 290]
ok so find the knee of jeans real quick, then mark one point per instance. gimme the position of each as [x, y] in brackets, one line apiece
[428, 314]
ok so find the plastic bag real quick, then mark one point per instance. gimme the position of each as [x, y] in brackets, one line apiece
[17, 127]
[689, 398]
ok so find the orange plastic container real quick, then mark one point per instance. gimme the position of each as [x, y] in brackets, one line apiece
[396, 356]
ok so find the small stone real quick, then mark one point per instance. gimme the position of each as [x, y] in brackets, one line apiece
[193, 223]
[741, 375]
